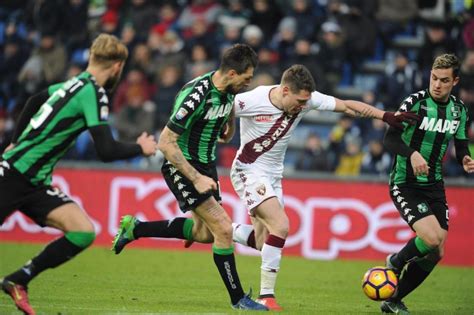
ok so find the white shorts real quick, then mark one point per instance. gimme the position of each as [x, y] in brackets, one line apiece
[254, 186]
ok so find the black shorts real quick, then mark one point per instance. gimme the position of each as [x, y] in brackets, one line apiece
[35, 201]
[183, 189]
[415, 203]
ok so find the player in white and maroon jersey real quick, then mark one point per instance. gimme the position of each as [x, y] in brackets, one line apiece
[268, 116]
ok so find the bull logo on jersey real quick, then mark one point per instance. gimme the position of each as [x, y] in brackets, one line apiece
[261, 190]
[182, 112]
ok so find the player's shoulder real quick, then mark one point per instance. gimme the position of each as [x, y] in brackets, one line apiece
[417, 96]
[456, 100]
[255, 95]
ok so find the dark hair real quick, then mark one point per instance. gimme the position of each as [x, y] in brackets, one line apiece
[239, 57]
[447, 61]
[297, 78]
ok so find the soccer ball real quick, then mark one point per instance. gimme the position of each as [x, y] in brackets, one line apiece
[379, 283]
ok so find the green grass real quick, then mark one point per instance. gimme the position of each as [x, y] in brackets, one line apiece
[153, 281]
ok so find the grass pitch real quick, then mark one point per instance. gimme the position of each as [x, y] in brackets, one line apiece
[140, 281]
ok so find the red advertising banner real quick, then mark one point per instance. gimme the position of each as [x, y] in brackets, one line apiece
[329, 219]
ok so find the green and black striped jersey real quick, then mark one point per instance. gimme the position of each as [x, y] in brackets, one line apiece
[199, 113]
[439, 123]
[72, 107]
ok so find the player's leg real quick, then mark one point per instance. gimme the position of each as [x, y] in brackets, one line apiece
[220, 225]
[272, 215]
[78, 235]
[251, 235]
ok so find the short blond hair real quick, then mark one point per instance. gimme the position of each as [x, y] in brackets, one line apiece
[107, 50]
[446, 61]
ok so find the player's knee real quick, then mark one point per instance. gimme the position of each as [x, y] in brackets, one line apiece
[432, 239]
[82, 239]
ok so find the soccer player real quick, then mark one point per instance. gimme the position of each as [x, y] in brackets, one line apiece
[268, 117]
[188, 142]
[46, 129]
[416, 180]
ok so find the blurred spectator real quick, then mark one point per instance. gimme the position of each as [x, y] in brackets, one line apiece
[168, 17]
[42, 16]
[234, 15]
[110, 23]
[437, 42]
[267, 63]
[136, 116]
[252, 35]
[266, 15]
[261, 78]
[169, 83]
[141, 15]
[284, 40]
[301, 10]
[171, 51]
[73, 70]
[200, 62]
[350, 160]
[331, 53]
[207, 10]
[393, 16]
[74, 26]
[141, 59]
[314, 157]
[401, 78]
[376, 161]
[200, 34]
[468, 34]
[5, 135]
[338, 137]
[134, 77]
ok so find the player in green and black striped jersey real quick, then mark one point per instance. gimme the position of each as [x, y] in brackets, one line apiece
[416, 180]
[202, 114]
[48, 126]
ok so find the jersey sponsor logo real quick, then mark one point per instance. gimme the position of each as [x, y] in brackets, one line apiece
[277, 134]
[439, 125]
[218, 111]
[263, 118]
[182, 112]
[104, 112]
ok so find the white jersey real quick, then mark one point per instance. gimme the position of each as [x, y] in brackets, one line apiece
[265, 130]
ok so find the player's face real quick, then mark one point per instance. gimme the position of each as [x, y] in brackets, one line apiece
[237, 82]
[293, 103]
[442, 82]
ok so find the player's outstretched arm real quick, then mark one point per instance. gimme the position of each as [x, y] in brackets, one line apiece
[168, 144]
[360, 109]
[108, 149]
[463, 155]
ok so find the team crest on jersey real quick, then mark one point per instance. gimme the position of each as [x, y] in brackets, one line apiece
[261, 190]
[241, 105]
[263, 118]
[455, 111]
[422, 207]
[104, 112]
[182, 112]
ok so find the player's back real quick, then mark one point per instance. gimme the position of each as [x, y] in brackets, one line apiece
[72, 107]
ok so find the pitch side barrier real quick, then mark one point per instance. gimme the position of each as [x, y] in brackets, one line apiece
[330, 217]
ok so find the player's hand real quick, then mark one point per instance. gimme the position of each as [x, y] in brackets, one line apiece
[468, 164]
[147, 143]
[224, 136]
[396, 119]
[204, 184]
[10, 146]
[420, 167]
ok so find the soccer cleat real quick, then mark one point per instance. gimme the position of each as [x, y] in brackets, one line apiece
[124, 234]
[270, 302]
[19, 295]
[246, 303]
[188, 243]
[393, 306]
[389, 265]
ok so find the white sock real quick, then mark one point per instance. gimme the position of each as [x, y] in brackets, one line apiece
[271, 257]
[241, 232]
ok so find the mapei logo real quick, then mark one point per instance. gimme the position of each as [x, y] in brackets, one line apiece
[439, 125]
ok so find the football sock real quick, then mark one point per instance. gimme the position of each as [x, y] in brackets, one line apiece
[415, 247]
[416, 272]
[271, 257]
[175, 228]
[244, 234]
[53, 255]
[225, 262]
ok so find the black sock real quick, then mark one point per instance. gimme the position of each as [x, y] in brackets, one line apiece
[54, 254]
[228, 271]
[166, 228]
[407, 253]
[413, 276]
